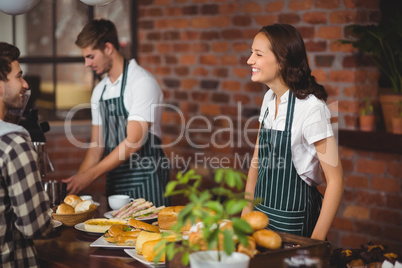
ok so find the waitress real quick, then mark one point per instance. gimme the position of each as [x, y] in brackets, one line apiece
[295, 141]
[126, 132]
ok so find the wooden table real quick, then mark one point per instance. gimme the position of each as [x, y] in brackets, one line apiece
[68, 247]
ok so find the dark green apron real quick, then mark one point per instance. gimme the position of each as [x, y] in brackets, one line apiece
[142, 176]
[291, 204]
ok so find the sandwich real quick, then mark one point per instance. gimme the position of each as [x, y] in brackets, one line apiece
[139, 209]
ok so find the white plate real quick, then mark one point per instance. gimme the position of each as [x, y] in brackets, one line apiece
[102, 243]
[81, 227]
[108, 215]
[96, 203]
[140, 258]
[57, 223]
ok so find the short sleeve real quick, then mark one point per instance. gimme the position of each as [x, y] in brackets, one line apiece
[317, 125]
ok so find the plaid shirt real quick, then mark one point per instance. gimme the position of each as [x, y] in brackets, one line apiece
[24, 205]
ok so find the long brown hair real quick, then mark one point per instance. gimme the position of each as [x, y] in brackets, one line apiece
[290, 52]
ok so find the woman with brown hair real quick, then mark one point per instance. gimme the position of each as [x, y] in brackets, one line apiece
[295, 141]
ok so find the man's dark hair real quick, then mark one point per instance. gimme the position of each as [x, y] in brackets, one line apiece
[8, 54]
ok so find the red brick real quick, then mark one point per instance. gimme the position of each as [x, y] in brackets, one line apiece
[347, 17]
[199, 47]
[221, 72]
[232, 34]
[254, 87]
[315, 17]
[242, 72]
[221, 21]
[356, 181]
[342, 76]
[386, 216]
[362, 3]
[274, 6]
[368, 228]
[244, 99]
[229, 60]
[394, 201]
[251, 8]
[229, 8]
[208, 59]
[300, 4]
[329, 32]
[337, 46]
[164, 48]
[290, 18]
[349, 106]
[162, 2]
[319, 75]
[241, 20]
[328, 4]
[179, 23]
[231, 85]
[385, 185]
[200, 22]
[370, 166]
[199, 96]
[368, 198]
[173, 11]
[189, 83]
[200, 71]
[348, 195]
[354, 240]
[220, 46]
[316, 46]
[265, 19]
[188, 59]
[241, 46]
[348, 165]
[395, 169]
[347, 152]
[210, 109]
[356, 212]
[258, 100]
[342, 224]
[393, 233]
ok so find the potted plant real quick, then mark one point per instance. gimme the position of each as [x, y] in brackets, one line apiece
[382, 43]
[209, 208]
[397, 121]
[366, 119]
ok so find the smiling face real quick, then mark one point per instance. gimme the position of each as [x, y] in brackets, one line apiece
[13, 90]
[97, 60]
[265, 67]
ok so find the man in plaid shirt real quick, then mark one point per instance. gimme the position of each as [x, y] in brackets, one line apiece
[24, 205]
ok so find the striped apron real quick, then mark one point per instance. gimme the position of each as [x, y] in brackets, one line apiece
[146, 173]
[291, 204]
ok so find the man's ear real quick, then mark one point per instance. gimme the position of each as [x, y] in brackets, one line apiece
[109, 48]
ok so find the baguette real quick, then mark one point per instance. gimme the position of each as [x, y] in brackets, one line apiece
[101, 225]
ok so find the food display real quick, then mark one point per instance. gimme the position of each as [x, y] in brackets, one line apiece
[139, 209]
[369, 255]
[101, 225]
[74, 204]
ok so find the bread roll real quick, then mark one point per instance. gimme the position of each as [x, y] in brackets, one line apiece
[143, 226]
[150, 251]
[167, 217]
[72, 200]
[143, 237]
[84, 206]
[65, 209]
[256, 219]
[250, 249]
[267, 239]
[101, 225]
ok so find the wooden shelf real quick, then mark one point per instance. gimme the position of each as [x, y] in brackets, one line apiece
[373, 141]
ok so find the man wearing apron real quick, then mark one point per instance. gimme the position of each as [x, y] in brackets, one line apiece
[295, 141]
[126, 132]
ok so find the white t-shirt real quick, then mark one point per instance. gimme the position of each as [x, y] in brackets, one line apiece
[142, 97]
[311, 123]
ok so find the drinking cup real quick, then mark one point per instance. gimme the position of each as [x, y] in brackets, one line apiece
[119, 200]
[52, 188]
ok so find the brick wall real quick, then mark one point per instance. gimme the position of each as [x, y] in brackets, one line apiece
[198, 49]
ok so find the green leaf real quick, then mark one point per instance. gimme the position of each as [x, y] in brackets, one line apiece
[235, 206]
[241, 226]
[219, 175]
[215, 206]
[228, 242]
[170, 187]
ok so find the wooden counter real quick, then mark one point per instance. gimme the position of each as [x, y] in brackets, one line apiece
[68, 247]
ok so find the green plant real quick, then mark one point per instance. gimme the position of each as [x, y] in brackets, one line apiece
[368, 108]
[382, 43]
[211, 206]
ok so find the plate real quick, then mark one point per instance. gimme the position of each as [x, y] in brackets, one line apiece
[108, 215]
[102, 243]
[133, 254]
[81, 227]
[96, 204]
[56, 223]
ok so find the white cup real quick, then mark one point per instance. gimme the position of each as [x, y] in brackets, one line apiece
[86, 197]
[118, 201]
